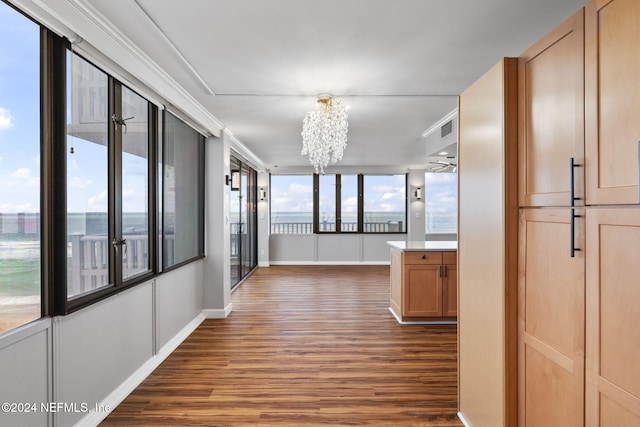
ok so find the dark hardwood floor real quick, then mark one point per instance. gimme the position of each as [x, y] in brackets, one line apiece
[304, 346]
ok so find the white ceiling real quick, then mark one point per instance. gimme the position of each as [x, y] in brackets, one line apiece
[399, 64]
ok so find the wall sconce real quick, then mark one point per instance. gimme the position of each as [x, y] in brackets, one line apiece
[418, 193]
[262, 194]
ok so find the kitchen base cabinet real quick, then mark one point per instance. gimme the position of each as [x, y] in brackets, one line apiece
[423, 285]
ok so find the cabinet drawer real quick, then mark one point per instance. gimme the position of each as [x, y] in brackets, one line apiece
[423, 257]
[450, 257]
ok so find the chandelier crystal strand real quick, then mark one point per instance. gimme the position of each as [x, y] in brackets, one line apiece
[324, 133]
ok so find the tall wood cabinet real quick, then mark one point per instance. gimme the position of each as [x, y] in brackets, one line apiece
[579, 235]
[551, 116]
[612, 34]
[551, 312]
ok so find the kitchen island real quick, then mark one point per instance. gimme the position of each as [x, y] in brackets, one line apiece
[424, 276]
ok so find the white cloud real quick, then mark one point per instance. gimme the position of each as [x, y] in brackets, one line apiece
[77, 182]
[1, 159]
[296, 188]
[22, 173]
[6, 120]
[72, 165]
[98, 203]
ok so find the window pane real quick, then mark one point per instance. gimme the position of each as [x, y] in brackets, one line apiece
[87, 177]
[20, 253]
[327, 207]
[441, 202]
[385, 203]
[182, 204]
[291, 204]
[349, 202]
[135, 184]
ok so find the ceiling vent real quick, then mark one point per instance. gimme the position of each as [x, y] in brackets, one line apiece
[446, 129]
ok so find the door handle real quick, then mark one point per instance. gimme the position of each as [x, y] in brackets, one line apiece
[573, 232]
[119, 242]
[572, 190]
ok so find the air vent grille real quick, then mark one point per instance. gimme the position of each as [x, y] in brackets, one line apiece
[446, 129]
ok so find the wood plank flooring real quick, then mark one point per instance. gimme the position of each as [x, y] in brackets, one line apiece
[304, 346]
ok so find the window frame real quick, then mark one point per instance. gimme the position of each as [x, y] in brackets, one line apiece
[65, 305]
[270, 197]
[360, 214]
[163, 147]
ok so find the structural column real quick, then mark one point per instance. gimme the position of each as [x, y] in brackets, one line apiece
[217, 283]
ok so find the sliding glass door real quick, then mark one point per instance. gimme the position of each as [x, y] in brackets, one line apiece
[243, 213]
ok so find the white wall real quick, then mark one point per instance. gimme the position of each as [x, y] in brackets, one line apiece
[264, 220]
[25, 369]
[98, 354]
[217, 286]
[330, 248]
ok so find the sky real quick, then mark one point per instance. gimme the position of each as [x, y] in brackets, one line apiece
[19, 113]
[382, 193]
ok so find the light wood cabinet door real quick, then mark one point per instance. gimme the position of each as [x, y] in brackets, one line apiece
[422, 291]
[612, 97]
[450, 291]
[551, 318]
[613, 320]
[551, 116]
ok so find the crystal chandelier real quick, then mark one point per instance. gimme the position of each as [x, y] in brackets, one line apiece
[324, 132]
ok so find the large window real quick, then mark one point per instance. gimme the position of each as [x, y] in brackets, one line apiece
[110, 144]
[291, 204]
[385, 204]
[79, 174]
[343, 203]
[183, 187]
[441, 202]
[20, 248]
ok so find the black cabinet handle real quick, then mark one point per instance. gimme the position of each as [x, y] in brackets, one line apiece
[445, 271]
[573, 232]
[572, 190]
[440, 271]
[424, 257]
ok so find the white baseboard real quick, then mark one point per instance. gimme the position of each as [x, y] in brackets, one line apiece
[463, 420]
[264, 264]
[422, 322]
[123, 390]
[210, 313]
[329, 262]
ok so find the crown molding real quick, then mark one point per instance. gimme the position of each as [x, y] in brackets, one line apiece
[83, 19]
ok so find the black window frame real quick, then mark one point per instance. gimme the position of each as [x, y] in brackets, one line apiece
[201, 192]
[53, 180]
[338, 205]
[65, 305]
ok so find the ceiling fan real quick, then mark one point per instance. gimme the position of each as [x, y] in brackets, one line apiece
[443, 166]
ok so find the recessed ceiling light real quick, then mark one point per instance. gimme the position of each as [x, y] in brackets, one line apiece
[442, 153]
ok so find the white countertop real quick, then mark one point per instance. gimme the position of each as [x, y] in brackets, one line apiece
[416, 245]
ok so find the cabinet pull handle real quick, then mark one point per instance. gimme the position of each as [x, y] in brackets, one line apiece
[424, 257]
[440, 271]
[445, 271]
[573, 232]
[573, 166]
